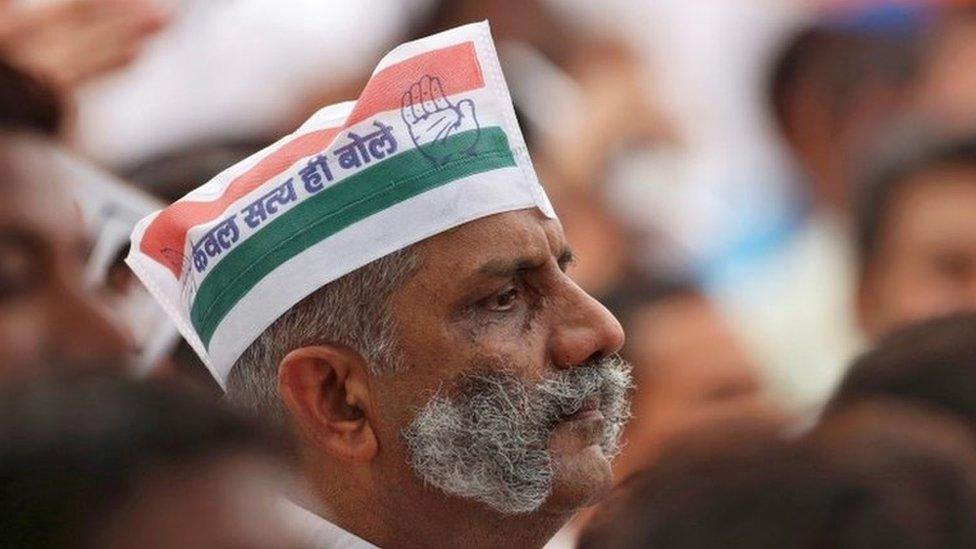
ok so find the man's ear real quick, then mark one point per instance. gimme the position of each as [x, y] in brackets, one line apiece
[325, 391]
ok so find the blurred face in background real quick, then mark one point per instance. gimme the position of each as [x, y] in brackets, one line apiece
[46, 315]
[690, 370]
[925, 264]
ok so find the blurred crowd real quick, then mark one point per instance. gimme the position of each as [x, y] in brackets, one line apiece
[775, 198]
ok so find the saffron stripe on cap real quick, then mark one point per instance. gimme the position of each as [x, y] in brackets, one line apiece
[167, 232]
[357, 197]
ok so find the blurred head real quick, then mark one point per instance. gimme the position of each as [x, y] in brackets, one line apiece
[689, 369]
[891, 477]
[931, 364]
[465, 373]
[47, 317]
[528, 21]
[830, 87]
[916, 233]
[107, 462]
[170, 176]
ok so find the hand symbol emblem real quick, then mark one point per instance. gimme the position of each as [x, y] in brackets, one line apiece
[433, 121]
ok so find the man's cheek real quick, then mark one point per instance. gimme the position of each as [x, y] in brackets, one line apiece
[394, 407]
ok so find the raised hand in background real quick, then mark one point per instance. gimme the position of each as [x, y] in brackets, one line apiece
[69, 42]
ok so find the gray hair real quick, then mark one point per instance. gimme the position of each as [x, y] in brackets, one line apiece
[353, 311]
[490, 441]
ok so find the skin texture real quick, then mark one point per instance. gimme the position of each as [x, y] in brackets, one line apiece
[493, 291]
[925, 265]
[48, 319]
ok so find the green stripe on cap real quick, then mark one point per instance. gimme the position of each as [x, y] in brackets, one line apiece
[353, 199]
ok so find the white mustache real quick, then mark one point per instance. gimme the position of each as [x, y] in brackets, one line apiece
[489, 441]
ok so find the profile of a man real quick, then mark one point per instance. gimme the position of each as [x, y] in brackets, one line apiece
[456, 388]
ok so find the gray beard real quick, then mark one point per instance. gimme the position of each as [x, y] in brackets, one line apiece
[489, 441]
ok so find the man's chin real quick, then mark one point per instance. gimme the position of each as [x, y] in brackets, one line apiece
[582, 474]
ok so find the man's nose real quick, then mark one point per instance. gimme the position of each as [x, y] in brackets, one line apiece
[88, 336]
[586, 331]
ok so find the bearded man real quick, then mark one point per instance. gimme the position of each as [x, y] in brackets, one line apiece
[405, 309]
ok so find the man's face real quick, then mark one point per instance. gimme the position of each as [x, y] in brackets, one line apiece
[925, 265]
[47, 318]
[510, 394]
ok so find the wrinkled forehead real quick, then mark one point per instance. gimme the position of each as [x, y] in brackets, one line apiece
[36, 185]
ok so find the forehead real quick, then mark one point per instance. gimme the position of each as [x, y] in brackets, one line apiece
[36, 189]
[524, 232]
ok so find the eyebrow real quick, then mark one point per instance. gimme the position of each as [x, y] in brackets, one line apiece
[12, 236]
[507, 268]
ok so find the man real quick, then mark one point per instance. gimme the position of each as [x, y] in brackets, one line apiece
[834, 83]
[390, 282]
[916, 232]
[48, 319]
[828, 87]
[101, 461]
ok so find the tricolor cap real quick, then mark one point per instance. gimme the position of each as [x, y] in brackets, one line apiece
[431, 143]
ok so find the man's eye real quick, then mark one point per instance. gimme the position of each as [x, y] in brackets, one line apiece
[19, 272]
[505, 301]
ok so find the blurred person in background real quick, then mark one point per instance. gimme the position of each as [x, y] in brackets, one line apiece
[916, 229]
[830, 88]
[879, 475]
[48, 318]
[834, 84]
[100, 461]
[690, 369]
[690, 373]
[931, 364]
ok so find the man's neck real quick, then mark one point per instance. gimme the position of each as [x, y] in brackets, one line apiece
[434, 520]
[483, 528]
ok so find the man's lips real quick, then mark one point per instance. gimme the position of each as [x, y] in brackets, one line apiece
[589, 411]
